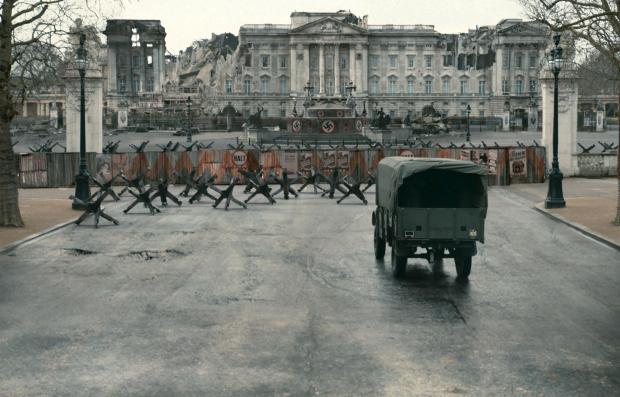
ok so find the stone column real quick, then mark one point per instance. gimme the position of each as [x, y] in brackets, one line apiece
[293, 66]
[306, 64]
[156, 68]
[337, 69]
[112, 88]
[93, 88]
[352, 65]
[567, 119]
[321, 69]
[364, 77]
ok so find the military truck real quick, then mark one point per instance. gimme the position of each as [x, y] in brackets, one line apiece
[430, 208]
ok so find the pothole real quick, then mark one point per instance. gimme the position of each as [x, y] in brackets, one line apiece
[79, 252]
[147, 255]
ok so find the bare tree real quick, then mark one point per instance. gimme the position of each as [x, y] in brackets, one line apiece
[596, 22]
[29, 32]
[595, 73]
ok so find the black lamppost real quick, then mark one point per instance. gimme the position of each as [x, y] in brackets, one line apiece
[555, 197]
[468, 136]
[309, 89]
[82, 189]
[189, 119]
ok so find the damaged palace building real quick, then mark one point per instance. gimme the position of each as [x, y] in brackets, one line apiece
[400, 68]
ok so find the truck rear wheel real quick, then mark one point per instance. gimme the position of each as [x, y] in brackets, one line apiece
[463, 266]
[399, 264]
[379, 244]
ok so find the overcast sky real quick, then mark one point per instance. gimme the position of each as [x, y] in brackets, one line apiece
[189, 20]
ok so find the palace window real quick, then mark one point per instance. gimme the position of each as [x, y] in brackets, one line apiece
[482, 87]
[447, 60]
[374, 61]
[343, 63]
[229, 86]
[519, 86]
[464, 86]
[428, 61]
[505, 87]
[410, 85]
[411, 61]
[136, 84]
[445, 85]
[264, 85]
[374, 86]
[519, 61]
[392, 85]
[149, 60]
[533, 60]
[248, 60]
[283, 90]
[428, 86]
[533, 86]
[247, 86]
[393, 60]
[481, 113]
[329, 63]
[149, 84]
[283, 61]
[314, 86]
[122, 84]
[264, 61]
[505, 61]
[330, 87]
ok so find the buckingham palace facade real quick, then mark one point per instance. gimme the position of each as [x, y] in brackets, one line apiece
[400, 68]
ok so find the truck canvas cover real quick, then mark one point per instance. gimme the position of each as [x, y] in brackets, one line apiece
[393, 171]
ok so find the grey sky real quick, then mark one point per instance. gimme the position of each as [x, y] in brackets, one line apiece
[188, 20]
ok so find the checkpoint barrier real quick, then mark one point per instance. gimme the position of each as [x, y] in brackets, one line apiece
[505, 165]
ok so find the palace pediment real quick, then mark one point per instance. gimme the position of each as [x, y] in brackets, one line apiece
[524, 29]
[328, 26]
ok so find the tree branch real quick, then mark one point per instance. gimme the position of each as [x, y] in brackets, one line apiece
[44, 3]
[31, 19]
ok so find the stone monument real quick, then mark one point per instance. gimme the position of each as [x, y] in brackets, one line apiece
[567, 118]
[93, 89]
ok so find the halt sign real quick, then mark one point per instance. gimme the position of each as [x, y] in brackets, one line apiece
[240, 158]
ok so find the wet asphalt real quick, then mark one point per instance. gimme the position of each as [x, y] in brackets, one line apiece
[288, 300]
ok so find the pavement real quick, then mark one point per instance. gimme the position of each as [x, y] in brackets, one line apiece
[41, 210]
[288, 300]
[591, 205]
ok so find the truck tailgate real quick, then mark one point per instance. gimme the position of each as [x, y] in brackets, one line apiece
[440, 223]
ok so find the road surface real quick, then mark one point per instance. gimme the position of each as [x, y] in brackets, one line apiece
[288, 300]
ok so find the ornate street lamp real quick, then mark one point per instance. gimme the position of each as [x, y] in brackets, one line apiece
[189, 119]
[309, 89]
[82, 189]
[555, 197]
[468, 136]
